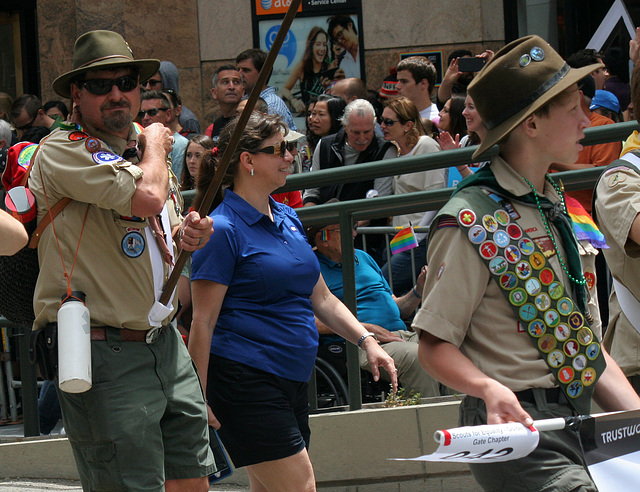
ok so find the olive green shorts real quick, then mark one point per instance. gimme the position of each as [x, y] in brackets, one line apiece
[144, 420]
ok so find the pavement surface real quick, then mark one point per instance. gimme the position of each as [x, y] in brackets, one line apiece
[12, 431]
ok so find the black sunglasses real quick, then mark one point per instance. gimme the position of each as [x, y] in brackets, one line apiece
[152, 82]
[151, 112]
[388, 121]
[100, 87]
[280, 148]
[28, 125]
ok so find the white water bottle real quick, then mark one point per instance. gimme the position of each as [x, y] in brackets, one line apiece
[74, 344]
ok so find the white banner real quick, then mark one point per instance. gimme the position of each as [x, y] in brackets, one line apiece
[483, 443]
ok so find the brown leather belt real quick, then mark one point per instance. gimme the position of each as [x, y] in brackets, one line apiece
[99, 333]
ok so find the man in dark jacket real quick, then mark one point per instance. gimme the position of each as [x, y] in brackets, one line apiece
[355, 143]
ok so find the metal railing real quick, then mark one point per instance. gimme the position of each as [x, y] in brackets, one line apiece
[345, 213]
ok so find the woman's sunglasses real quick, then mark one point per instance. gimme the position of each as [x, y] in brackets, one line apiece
[101, 87]
[280, 148]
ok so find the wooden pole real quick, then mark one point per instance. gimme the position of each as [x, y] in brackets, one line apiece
[214, 186]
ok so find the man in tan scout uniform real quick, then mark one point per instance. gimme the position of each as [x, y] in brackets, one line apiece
[505, 317]
[617, 209]
[143, 424]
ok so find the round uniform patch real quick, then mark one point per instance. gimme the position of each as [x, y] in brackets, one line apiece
[75, 136]
[571, 348]
[576, 320]
[574, 389]
[498, 265]
[488, 250]
[477, 234]
[501, 238]
[584, 336]
[133, 244]
[579, 362]
[523, 270]
[565, 375]
[512, 254]
[104, 157]
[556, 290]
[546, 343]
[25, 155]
[527, 313]
[593, 350]
[536, 328]
[565, 306]
[588, 376]
[537, 260]
[517, 297]
[526, 245]
[502, 216]
[552, 318]
[467, 217]
[490, 223]
[514, 231]
[508, 281]
[546, 276]
[532, 286]
[555, 358]
[93, 144]
[543, 301]
[562, 332]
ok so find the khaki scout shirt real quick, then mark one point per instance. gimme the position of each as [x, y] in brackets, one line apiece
[617, 205]
[464, 306]
[113, 266]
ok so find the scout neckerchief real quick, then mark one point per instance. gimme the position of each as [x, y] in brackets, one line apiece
[554, 322]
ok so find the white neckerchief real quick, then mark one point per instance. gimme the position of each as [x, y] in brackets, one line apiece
[159, 312]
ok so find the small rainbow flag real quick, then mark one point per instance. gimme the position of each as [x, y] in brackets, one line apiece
[583, 225]
[404, 240]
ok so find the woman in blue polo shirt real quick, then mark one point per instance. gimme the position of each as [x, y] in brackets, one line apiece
[258, 283]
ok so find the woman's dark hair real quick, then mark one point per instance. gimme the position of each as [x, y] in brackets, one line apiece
[57, 104]
[335, 107]
[187, 182]
[307, 57]
[259, 128]
[458, 124]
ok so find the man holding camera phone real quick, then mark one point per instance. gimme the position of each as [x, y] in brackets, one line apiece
[459, 67]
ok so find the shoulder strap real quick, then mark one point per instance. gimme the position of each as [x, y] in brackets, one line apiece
[55, 210]
[538, 298]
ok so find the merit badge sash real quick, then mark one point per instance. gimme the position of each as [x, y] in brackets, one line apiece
[540, 301]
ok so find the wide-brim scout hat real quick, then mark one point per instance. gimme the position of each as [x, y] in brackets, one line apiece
[522, 77]
[97, 50]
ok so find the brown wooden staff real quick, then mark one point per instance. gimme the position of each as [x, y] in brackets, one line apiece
[233, 143]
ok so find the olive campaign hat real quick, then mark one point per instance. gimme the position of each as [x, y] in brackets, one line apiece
[522, 77]
[97, 50]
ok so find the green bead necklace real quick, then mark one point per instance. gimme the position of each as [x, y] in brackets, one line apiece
[579, 281]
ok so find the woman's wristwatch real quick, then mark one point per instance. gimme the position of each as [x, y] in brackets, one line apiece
[365, 336]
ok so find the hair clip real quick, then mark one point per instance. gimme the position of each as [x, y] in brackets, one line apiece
[214, 151]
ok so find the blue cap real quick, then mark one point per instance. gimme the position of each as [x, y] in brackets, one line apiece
[606, 100]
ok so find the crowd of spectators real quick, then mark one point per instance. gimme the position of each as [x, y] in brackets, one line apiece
[408, 114]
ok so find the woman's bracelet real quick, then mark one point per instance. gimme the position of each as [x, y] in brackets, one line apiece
[415, 293]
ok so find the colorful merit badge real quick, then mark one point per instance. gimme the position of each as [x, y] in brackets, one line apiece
[25, 155]
[77, 135]
[403, 241]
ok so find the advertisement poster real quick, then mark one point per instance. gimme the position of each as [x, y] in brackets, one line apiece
[324, 44]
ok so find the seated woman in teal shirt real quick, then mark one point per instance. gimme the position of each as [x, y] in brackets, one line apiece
[258, 283]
